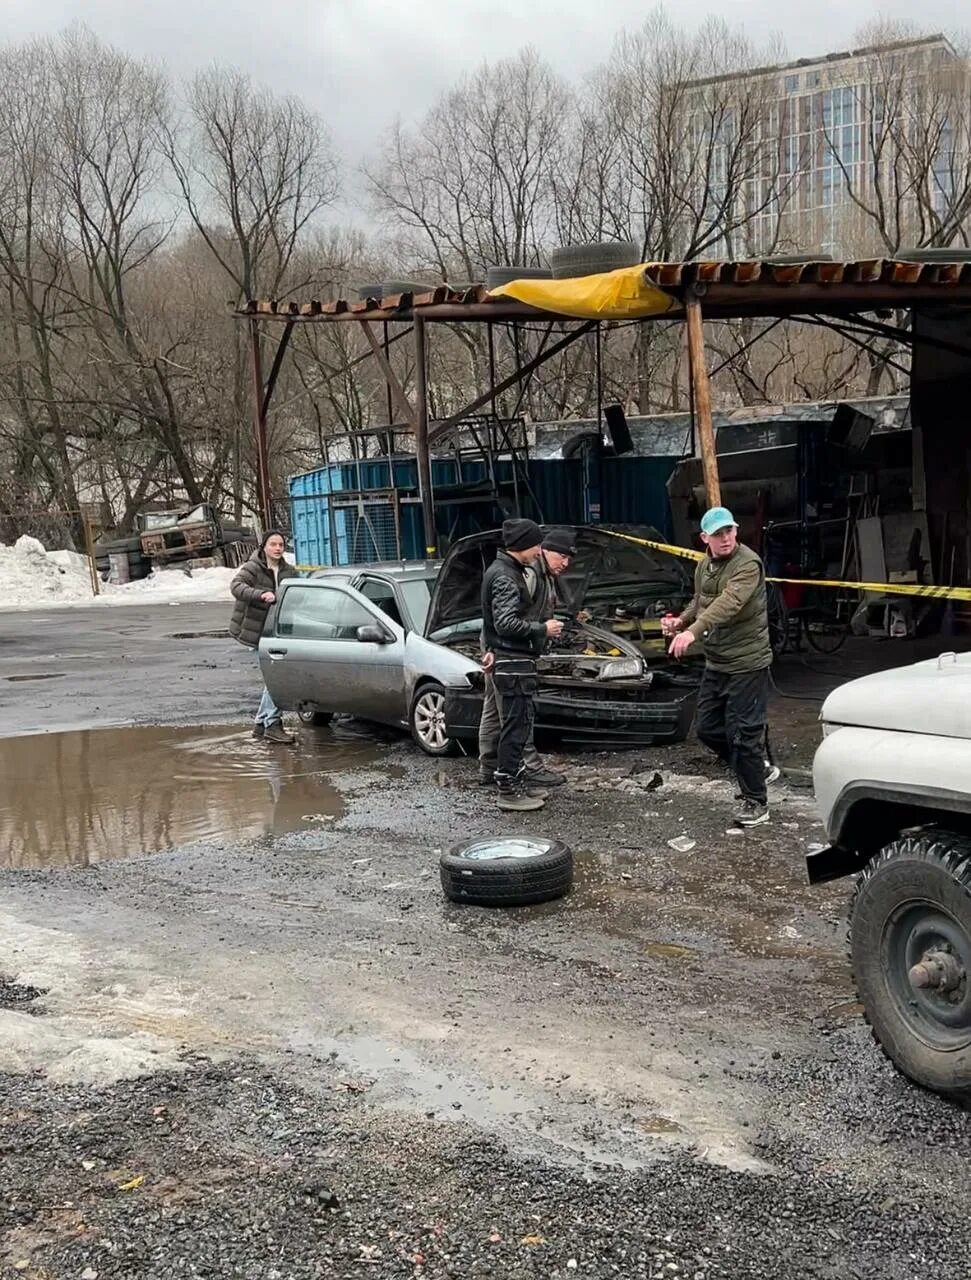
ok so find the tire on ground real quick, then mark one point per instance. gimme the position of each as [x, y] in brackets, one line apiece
[591, 259]
[506, 872]
[495, 276]
[426, 720]
[913, 898]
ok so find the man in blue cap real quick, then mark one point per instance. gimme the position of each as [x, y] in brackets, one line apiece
[729, 613]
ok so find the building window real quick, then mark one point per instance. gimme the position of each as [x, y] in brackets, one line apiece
[792, 84]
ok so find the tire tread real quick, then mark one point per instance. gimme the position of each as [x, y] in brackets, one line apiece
[942, 848]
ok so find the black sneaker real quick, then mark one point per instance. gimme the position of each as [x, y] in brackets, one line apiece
[487, 777]
[542, 777]
[772, 772]
[259, 729]
[752, 814]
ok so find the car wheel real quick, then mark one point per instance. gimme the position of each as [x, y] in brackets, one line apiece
[503, 872]
[910, 946]
[427, 722]
[307, 713]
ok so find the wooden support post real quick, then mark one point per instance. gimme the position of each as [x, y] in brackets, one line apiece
[259, 424]
[702, 399]
[421, 440]
[91, 554]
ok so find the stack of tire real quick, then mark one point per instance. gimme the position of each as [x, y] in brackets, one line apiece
[129, 546]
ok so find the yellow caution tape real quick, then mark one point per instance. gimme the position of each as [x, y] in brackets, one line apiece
[884, 588]
[686, 553]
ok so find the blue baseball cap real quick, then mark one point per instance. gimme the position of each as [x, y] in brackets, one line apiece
[717, 518]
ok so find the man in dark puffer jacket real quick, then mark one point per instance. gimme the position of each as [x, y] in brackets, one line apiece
[255, 588]
[729, 613]
[516, 640]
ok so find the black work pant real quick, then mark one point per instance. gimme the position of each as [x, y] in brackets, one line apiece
[516, 702]
[732, 715]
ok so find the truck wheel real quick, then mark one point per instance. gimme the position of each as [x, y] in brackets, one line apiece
[501, 872]
[910, 947]
[427, 721]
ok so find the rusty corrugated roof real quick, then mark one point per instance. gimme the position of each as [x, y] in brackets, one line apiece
[730, 288]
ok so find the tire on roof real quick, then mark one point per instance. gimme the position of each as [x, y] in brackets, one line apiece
[574, 260]
[495, 276]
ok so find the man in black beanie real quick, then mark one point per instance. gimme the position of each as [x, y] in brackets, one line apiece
[543, 582]
[512, 634]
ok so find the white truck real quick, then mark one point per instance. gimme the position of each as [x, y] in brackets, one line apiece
[893, 783]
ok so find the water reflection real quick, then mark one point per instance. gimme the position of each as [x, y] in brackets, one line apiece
[81, 798]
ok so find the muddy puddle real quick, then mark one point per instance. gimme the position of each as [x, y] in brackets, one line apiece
[74, 799]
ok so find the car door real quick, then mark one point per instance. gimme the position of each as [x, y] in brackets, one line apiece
[311, 652]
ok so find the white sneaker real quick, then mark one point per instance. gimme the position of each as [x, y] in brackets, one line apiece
[772, 772]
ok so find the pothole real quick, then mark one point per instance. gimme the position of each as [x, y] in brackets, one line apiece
[199, 635]
[18, 995]
[50, 675]
[73, 799]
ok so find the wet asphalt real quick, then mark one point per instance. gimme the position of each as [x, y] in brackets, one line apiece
[274, 1050]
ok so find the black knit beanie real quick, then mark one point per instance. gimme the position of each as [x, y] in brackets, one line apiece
[520, 535]
[561, 540]
[272, 533]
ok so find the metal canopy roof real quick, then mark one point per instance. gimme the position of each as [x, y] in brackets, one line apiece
[729, 289]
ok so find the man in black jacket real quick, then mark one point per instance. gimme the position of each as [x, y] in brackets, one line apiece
[516, 639]
[543, 582]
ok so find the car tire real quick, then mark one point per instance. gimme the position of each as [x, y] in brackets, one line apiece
[496, 276]
[307, 713]
[427, 721]
[506, 873]
[575, 260]
[910, 948]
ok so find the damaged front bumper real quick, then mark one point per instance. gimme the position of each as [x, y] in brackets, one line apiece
[644, 714]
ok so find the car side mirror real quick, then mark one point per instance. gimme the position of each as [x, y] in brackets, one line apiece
[373, 634]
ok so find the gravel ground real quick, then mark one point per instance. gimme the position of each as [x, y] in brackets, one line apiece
[229, 1170]
[288, 1057]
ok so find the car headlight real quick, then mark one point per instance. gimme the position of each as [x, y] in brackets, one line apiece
[621, 669]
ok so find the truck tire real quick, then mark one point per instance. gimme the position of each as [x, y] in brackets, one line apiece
[910, 948]
[502, 872]
[591, 259]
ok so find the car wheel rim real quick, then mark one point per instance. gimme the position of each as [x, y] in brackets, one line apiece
[430, 720]
[927, 959]
[306, 711]
[490, 850]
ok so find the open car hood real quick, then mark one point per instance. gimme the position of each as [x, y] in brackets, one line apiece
[606, 573]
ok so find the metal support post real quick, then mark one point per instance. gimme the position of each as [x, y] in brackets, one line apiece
[421, 440]
[259, 423]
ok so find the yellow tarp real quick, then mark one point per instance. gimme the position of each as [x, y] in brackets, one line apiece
[613, 295]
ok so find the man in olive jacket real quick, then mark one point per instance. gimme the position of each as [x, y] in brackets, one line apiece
[729, 613]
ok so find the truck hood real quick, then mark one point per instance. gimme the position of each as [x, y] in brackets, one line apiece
[605, 571]
[931, 697]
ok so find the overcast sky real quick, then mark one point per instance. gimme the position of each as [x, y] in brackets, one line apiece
[362, 62]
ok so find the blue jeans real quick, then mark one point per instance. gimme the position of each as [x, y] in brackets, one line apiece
[268, 712]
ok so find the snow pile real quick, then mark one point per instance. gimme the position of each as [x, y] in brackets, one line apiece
[33, 578]
[172, 586]
[30, 579]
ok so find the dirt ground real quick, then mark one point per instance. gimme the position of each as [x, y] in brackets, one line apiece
[273, 1050]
